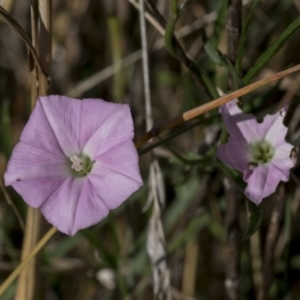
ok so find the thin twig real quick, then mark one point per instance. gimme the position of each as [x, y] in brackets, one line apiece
[19, 30]
[14, 208]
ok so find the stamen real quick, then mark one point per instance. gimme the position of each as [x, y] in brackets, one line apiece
[77, 163]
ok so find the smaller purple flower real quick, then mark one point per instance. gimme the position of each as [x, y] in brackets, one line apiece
[75, 160]
[259, 150]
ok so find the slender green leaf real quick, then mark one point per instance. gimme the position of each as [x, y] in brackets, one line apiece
[244, 36]
[272, 50]
[254, 219]
[213, 54]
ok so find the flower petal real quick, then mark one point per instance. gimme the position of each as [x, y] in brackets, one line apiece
[239, 125]
[276, 129]
[74, 206]
[263, 182]
[282, 159]
[115, 129]
[63, 114]
[116, 175]
[38, 131]
[36, 191]
[234, 154]
[94, 114]
[60, 127]
[29, 162]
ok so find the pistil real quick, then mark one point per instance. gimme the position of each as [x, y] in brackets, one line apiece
[81, 165]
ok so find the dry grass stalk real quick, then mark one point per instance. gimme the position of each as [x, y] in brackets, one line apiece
[155, 237]
[41, 40]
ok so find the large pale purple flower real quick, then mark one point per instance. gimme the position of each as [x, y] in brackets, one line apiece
[75, 160]
[259, 150]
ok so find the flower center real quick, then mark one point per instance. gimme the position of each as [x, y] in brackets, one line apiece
[261, 152]
[81, 165]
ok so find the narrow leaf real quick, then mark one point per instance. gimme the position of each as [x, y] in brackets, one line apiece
[244, 36]
[272, 50]
[254, 219]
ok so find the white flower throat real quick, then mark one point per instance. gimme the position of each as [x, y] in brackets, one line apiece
[261, 152]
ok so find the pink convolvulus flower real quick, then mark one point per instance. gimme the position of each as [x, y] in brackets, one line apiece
[259, 150]
[75, 160]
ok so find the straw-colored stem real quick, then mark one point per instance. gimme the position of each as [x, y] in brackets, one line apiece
[27, 285]
[41, 40]
[195, 112]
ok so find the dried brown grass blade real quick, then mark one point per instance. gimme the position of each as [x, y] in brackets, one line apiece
[41, 35]
[18, 29]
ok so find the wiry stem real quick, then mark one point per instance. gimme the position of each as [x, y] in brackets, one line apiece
[10, 202]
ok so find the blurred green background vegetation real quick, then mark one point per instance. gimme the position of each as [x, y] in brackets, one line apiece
[205, 212]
